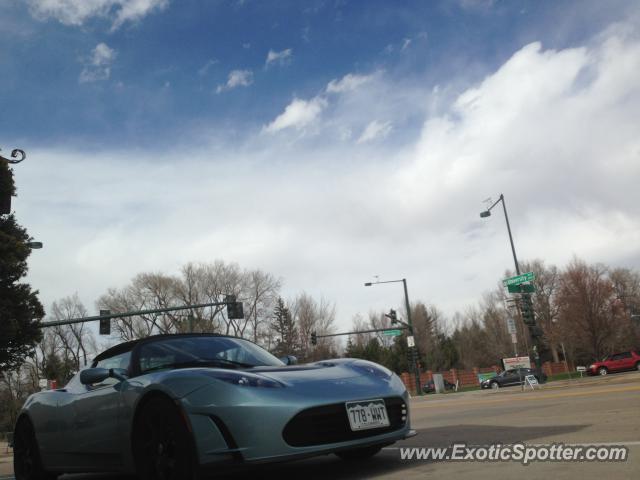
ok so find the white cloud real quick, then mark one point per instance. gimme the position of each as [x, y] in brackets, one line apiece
[555, 131]
[98, 66]
[347, 83]
[298, 114]
[77, 12]
[375, 131]
[236, 78]
[279, 58]
[202, 71]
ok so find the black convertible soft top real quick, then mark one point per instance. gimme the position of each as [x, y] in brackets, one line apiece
[128, 346]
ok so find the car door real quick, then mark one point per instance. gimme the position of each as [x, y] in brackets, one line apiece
[626, 361]
[96, 414]
[510, 377]
[615, 363]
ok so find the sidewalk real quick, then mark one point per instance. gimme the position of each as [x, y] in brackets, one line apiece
[6, 460]
[622, 378]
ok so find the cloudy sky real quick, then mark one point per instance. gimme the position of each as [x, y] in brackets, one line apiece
[323, 141]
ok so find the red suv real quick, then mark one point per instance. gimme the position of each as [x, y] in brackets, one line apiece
[616, 363]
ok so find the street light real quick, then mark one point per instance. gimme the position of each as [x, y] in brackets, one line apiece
[487, 213]
[409, 324]
[34, 245]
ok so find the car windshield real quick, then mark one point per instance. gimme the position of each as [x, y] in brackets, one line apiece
[221, 352]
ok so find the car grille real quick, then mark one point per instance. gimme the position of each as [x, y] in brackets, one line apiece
[329, 424]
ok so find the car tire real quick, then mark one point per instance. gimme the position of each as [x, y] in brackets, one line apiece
[495, 385]
[603, 371]
[162, 445]
[359, 453]
[638, 366]
[27, 463]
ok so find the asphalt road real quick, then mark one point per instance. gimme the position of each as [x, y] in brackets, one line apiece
[597, 411]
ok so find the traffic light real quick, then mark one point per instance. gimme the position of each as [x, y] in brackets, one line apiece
[412, 357]
[235, 309]
[392, 315]
[535, 331]
[105, 323]
[526, 308]
[314, 338]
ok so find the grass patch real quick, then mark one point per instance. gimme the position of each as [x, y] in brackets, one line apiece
[564, 376]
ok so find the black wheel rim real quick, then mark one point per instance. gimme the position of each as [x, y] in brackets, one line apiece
[160, 449]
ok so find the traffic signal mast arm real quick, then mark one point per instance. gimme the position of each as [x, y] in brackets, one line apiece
[357, 332]
[72, 321]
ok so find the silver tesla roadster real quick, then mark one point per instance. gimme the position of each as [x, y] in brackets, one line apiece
[183, 406]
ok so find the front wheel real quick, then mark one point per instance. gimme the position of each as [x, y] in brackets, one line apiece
[359, 453]
[495, 385]
[602, 371]
[638, 366]
[27, 464]
[162, 446]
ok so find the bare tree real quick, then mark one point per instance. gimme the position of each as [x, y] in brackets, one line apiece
[588, 312]
[314, 316]
[196, 284]
[77, 340]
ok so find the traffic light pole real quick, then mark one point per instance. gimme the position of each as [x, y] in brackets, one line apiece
[416, 364]
[526, 297]
[409, 324]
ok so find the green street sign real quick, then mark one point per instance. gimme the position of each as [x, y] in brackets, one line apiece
[518, 279]
[392, 333]
[524, 288]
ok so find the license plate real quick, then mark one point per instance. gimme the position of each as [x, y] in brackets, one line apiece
[367, 414]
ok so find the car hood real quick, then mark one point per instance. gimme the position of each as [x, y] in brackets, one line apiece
[311, 373]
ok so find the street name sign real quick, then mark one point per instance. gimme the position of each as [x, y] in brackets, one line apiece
[524, 288]
[392, 333]
[518, 279]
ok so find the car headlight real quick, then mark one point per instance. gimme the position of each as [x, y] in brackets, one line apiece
[243, 379]
[370, 368]
[592, 366]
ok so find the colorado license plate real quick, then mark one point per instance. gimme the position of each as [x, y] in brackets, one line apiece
[367, 414]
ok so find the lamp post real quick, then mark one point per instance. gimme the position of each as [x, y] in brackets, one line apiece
[487, 213]
[17, 156]
[409, 324]
[7, 189]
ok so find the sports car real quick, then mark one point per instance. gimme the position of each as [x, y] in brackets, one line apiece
[183, 406]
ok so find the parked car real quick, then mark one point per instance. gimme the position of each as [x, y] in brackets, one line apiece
[514, 376]
[171, 406]
[430, 387]
[618, 362]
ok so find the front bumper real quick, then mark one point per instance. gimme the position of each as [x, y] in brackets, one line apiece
[246, 424]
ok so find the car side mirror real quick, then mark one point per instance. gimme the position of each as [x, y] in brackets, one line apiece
[289, 360]
[93, 375]
[99, 375]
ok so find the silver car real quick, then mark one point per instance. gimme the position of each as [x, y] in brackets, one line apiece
[178, 406]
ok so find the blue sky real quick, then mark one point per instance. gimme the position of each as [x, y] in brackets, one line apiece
[323, 141]
[161, 82]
